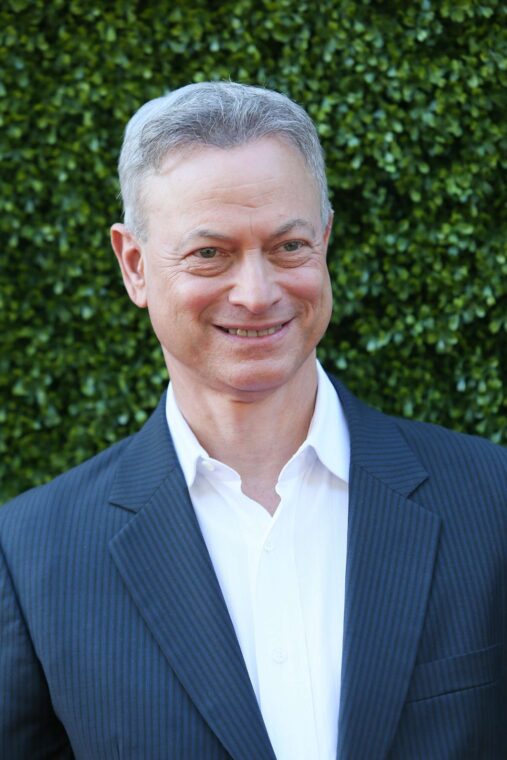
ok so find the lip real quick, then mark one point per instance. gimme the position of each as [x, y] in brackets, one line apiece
[252, 326]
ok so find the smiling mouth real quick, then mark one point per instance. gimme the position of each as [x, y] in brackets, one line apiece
[253, 333]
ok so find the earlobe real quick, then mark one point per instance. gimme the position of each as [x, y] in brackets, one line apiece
[131, 260]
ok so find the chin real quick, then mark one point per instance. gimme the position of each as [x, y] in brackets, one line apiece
[253, 381]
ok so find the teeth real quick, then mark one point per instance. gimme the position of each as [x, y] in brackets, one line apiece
[253, 333]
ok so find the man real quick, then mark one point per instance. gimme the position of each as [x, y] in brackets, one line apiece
[269, 568]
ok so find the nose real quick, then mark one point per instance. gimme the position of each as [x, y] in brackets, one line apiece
[255, 285]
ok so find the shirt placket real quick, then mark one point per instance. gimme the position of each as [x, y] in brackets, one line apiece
[285, 692]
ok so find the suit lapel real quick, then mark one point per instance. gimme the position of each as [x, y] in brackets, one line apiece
[392, 544]
[166, 568]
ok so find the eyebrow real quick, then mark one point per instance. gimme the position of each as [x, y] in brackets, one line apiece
[205, 232]
[202, 232]
[292, 224]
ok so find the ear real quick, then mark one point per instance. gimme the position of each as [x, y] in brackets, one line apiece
[130, 258]
[327, 231]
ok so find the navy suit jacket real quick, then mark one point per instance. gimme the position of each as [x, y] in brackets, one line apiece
[116, 641]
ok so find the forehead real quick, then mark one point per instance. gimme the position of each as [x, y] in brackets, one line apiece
[265, 177]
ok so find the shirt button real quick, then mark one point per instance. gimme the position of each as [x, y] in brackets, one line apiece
[279, 655]
[208, 465]
[269, 545]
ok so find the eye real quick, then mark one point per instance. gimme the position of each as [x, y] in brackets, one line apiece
[206, 253]
[292, 245]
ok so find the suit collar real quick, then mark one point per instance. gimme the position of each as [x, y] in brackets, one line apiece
[149, 459]
[378, 446]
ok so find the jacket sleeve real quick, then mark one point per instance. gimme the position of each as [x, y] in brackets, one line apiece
[29, 728]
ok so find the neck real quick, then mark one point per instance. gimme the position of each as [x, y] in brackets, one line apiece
[255, 436]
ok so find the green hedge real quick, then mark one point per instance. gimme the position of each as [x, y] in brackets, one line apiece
[411, 102]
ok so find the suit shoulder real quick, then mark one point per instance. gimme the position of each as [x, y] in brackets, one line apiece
[427, 439]
[89, 481]
[426, 434]
[467, 463]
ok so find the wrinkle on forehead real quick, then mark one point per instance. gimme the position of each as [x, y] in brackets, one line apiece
[243, 192]
[205, 191]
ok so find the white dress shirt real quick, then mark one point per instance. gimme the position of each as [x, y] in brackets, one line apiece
[283, 576]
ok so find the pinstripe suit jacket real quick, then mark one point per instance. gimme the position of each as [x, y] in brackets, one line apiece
[116, 642]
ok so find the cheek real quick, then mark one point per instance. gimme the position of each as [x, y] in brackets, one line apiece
[182, 298]
[313, 286]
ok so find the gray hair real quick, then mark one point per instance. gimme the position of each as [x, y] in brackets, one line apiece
[221, 114]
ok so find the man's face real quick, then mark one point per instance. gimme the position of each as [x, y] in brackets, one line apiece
[233, 270]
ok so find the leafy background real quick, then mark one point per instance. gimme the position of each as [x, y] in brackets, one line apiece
[411, 103]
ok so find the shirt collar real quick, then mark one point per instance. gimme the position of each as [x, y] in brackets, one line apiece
[188, 448]
[328, 434]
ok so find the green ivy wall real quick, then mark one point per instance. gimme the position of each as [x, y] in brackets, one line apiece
[411, 103]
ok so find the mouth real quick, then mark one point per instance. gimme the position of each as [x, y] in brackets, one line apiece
[249, 333]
